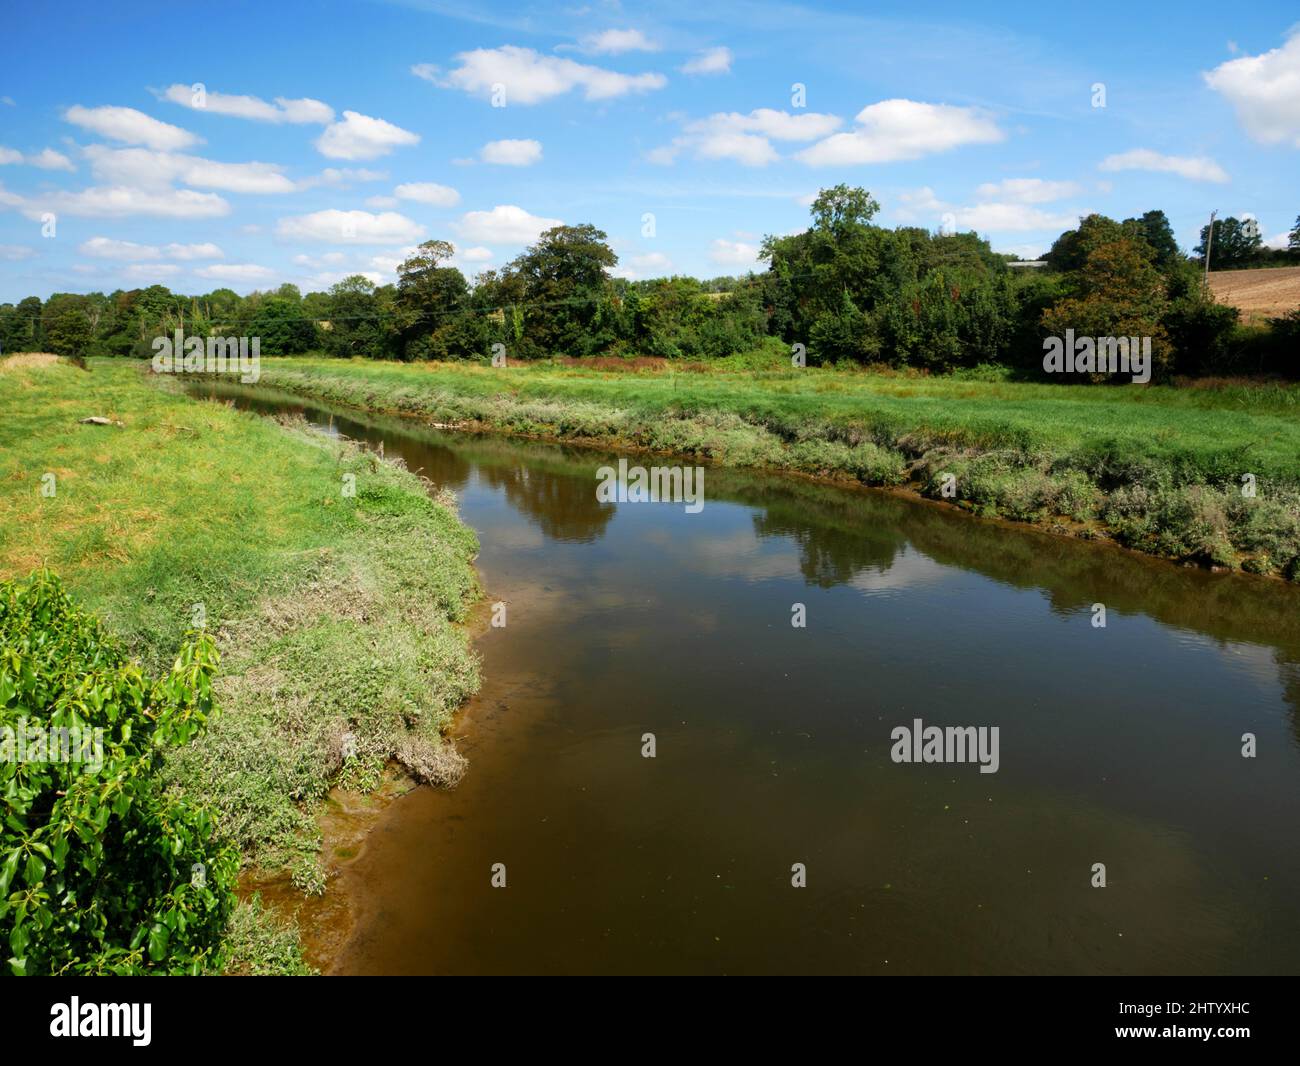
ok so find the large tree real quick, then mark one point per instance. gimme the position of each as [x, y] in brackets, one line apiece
[1235, 244]
[565, 287]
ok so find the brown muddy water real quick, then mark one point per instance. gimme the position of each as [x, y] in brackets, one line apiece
[1119, 745]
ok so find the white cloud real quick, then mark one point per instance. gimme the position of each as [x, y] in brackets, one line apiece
[1265, 91]
[362, 137]
[745, 138]
[120, 201]
[734, 253]
[45, 159]
[122, 251]
[530, 78]
[382, 202]
[616, 42]
[1027, 190]
[49, 159]
[206, 250]
[341, 177]
[129, 251]
[651, 264]
[894, 130]
[130, 126]
[512, 153]
[245, 272]
[316, 262]
[149, 271]
[350, 227]
[1011, 218]
[1194, 168]
[998, 216]
[710, 61]
[504, 224]
[141, 167]
[300, 111]
[15, 252]
[428, 192]
[477, 254]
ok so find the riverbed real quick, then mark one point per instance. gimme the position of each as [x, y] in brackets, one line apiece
[772, 831]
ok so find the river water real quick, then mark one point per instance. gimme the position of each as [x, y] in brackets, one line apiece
[1119, 746]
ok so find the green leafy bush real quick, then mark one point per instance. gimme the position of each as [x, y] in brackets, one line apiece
[101, 869]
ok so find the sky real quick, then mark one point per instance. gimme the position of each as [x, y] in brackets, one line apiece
[245, 145]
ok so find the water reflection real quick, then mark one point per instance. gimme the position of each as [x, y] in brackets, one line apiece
[1118, 745]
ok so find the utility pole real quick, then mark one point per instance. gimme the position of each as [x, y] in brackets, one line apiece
[1209, 243]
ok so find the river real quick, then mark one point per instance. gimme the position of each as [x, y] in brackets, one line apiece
[1118, 745]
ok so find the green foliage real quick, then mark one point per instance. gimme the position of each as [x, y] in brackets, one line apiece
[847, 289]
[1235, 244]
[97, 860]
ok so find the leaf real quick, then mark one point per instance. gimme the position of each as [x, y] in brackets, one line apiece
[158, 936]
[9, 869]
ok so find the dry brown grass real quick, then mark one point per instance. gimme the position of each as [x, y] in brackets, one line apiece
[1258, 294]
[25, 360]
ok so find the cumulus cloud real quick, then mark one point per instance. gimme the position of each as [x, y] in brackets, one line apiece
[734, 253]
[1027, 190]
[745, 138]
[237, 272]
[341, 177]
[15, 252]
[428, 192]
[301, 111]
[350, 227]
[45, 159]
[129, 251]
[504, 224]
[616, 42]
[710, 61]
[1194, 168]
[529, 77]
[120, 201]
[130, 126]
[1265, 92]
[362, 137]
[144, 168]
[1015, 215]
[512, 153]
[895, 130]
[1011, 218]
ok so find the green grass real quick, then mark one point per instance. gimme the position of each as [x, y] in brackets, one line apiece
[337, 615]
[1160, 468]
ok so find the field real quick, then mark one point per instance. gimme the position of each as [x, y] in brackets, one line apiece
[1161, 468]
[1259, 294]
[336, 614]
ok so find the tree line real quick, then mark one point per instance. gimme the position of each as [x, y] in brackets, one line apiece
[845, 290]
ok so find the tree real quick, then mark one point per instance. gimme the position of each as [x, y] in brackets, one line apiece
[1293, 243]
[565, 288]
[356, 323]
[1235, 244]
[281, 328]
[430, 304]
[66, 324]
[1155, 230]
[1117, 292]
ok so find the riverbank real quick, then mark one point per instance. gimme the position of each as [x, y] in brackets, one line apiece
[1165, 470]
[336, 586]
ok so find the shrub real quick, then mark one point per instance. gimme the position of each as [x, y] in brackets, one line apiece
[101, 869]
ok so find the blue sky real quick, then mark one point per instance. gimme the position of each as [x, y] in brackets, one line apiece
[328, 137]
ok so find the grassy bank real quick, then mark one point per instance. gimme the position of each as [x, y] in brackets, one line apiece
[333, 582]
[1158, 468]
